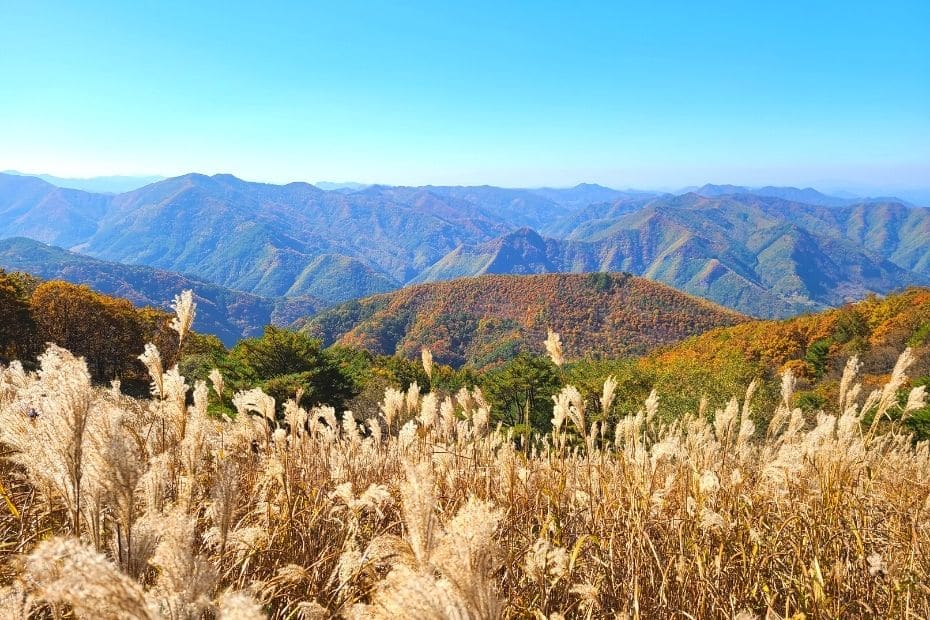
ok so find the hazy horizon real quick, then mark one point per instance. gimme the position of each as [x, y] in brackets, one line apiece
[920, 193]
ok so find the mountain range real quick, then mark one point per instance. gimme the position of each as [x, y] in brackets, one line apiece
[766, 257]
[766, 252]
[808, 195]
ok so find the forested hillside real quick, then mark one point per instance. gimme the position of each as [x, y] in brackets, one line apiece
[228, 314]
[717, 365]
[565, 474]
[108, 332]
[814, 347]
[480, 321]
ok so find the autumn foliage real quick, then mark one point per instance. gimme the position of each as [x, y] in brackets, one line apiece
[484, 320]
[108, 332]
[816, 346]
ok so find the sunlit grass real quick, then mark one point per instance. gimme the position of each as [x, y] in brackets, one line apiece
[121, 508]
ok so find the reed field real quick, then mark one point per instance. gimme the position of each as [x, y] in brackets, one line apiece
[115, 507]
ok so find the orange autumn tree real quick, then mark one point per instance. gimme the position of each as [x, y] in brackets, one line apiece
[106, 331]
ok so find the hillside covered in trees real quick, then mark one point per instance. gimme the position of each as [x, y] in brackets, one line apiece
[484, 320]
[579, 465]
[815, 347]
[108, 332]
[577, 437]
[225, 313]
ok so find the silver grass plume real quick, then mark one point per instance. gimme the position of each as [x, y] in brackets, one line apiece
[151, 358]
[889, 392]
[607, 396]
[52, 446]
[554, 348]
[916, 399]
[255, 401]
[413, 398]
[427, 357]
[184, 310]
[849, 375]
[392, 406]
[216, 378]
[185, 580]
[67, 572]
[238, 606]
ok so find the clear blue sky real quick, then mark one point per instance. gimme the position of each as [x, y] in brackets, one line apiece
[649, 94]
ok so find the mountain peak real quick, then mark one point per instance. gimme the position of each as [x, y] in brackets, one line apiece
[710, 189]
[524, 232]
[346, 186]
[808, 195]
[591, 186]
[191, 176]
[228, 178]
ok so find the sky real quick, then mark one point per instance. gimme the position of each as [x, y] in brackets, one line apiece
[646, 94]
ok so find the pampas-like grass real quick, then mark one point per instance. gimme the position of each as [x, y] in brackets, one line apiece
[64, 573]
[121, 508]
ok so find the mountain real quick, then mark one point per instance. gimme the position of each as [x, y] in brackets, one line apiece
[228, 314]
[478, 321]
[523, 251]
[816, 346]
[763, 256]
[759, 251]
[260, 238]
[704, 372]
[537, 208]
[807, 195]
[250, 236]
[595, 212]
[886, 228]
[31, 207]
[587, 193]
[516, 207]
[328, 186]
[103, 185]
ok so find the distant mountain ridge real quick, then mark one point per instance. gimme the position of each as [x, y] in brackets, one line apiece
[808, 195]
[105, 184]
[487, 319]
[230, 315]
[762, 252]
[349, 186]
